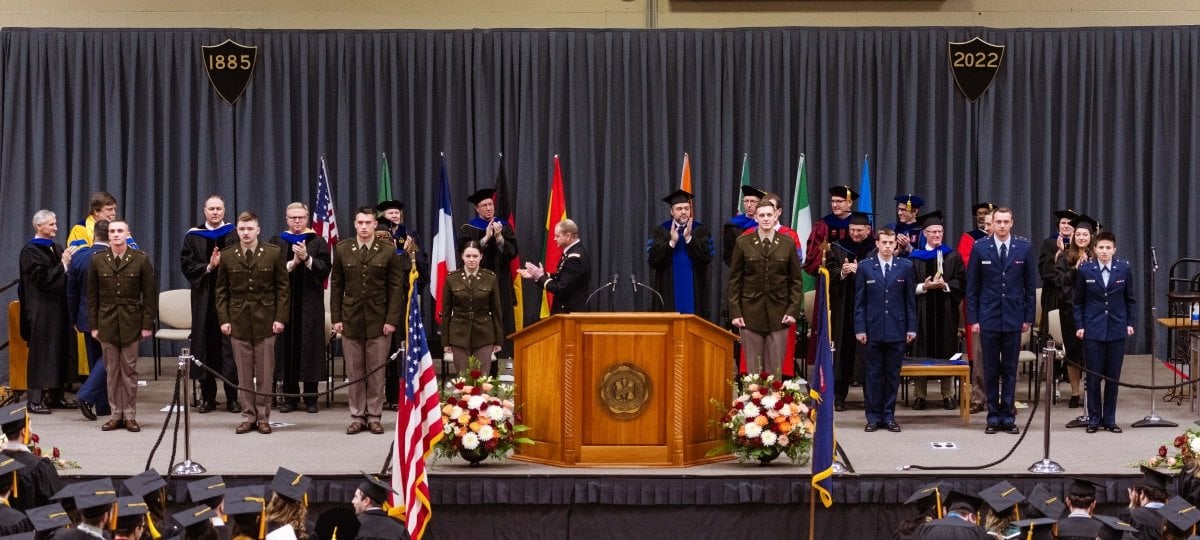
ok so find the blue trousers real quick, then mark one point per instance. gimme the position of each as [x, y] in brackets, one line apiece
[1104, 357]
[882, 364]
[95, 387]
[1000, 350]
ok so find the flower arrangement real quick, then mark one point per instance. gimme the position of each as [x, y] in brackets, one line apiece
[479, 419]
[55, 456]
[769, 418]
[1187, 447]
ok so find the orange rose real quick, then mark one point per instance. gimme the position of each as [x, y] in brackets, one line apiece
[464, 419]
[761, 421]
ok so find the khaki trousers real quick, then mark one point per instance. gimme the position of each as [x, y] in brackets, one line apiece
[363, 356]
[461, 356]
[255, 359]
[120, 364]
[770, 346]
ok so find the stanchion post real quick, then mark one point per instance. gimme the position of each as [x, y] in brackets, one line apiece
[1153, 419]
[1047, 465]
[187, 467]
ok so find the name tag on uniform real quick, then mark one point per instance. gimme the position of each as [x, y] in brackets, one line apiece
[986, 262]
[870, 281]
[1090, 281]
[1119, 281]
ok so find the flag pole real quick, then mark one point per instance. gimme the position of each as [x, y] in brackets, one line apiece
[812, 513]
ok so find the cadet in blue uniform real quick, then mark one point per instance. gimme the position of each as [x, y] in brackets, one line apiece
[885, 320]
[1002, 282]
[1104, 313]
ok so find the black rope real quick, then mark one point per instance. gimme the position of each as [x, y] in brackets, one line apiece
[298, 395]
[172, 410]
[10, 285]
[1118, 382]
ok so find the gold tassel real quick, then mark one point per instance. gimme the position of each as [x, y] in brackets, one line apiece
[262, 523]
[334, 535]
[937, 496]
[16, 492]
[25, 436]
[153, 530]
[112, 520]
[909, 204]
[1017, 512]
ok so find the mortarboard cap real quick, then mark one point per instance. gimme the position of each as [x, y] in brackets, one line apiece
[844, 192]
[1066, 214]
[910, 200]
[144, 483]
[957, 500]
[1035, 529]
[389, 205]
[290, 485]
[928, 220]
[8, 464]
[95, 497]
[1113, 528]
[245, 500]
[374, 488]
[1042, 502]
[132, 505]
[481, 195]
[982, 205]
[1001, 498]
[51, 516]
[677, 196]
[860, 218]
[1087, 222]
[1154, 478]
[1082, 487]
[930, 494]
[194, 515]
[751, 191]
[1180, 514]
[14, 417]
[208, 489]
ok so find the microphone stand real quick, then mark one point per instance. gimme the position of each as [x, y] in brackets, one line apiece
[636, 284]
[1153, 419]
[611, 285]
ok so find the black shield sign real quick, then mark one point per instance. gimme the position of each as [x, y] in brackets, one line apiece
[975, 64]
[229, 67]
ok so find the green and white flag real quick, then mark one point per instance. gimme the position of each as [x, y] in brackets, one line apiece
[801, 213]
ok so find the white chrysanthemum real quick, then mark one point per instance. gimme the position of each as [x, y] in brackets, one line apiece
[496, 413]
[750, 410]
[768, 437]
[1195, 444]
[470, 441]
[486, 433]
[769, 402]
[793, 384]
[475, 402]
[456, 412]
[753, 430]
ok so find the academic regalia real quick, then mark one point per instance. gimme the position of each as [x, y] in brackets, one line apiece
[300, 349]
[686, 262]
[826, 231]
[1078, 528]
[841, 305]
[206, 337]
[938, 311]
[13, 521]
[375, 524]
[731, 231]
[1146, 520]
[498, 259]
[911, 231]
[45, 321]
[950, 528]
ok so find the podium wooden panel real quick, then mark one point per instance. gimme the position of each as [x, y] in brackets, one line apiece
[559, 363]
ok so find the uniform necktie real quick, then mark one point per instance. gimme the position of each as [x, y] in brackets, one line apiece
[1104, 274]
[887, 267]
[1003, 253]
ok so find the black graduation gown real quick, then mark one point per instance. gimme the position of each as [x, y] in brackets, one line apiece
[193, 259]
[35, 483]
[1147, 521]
[735, 227]
[661, 257]
[375, 524]
[496, 258]
[1064, 280]
[1050, 289]
[1078, 528]
[45, 319]
[938, 311]
[13, 521]
[950, 528]
[300, 349]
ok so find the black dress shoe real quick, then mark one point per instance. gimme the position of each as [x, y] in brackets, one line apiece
[949, 404]
[839, 404]
[871, 427]
[38, 408]
[1092, 429]
[204, 406]
[919, 404]
[1012, 429]
[991, 429]
[233, 407]
[312, 408]
[1113, 428]
[893, 427]
[287, 408]
[60, 404]
[1073, 403]
[86, 409]
[977, 408]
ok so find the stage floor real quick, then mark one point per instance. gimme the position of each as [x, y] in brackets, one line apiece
[316, 444]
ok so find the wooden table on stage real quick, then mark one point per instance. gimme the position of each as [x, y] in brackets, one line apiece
[1185, 324]
[930, 367]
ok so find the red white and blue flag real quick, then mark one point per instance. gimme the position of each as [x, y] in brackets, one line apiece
[418, 422]
[324, 223]
[445, 259]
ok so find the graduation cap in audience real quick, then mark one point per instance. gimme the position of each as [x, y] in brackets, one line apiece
[957, 500]
[291, 485]
[1087, 222]
[844, 192]
[49, 517]
[861, 218]
[481, 195]
[1003, 499]
[911, 201]
[677, 196]
[14, 417]
[128, 510]
[94, 498]
[10, 465]
[144, 483]
[389, 205]
[1113, 528]
[207, 491]
[193, 516]
[982, 205]
[1035, 529]
[930, 494]
[250, 500]
[1066, 214]
[1042, 502]
[375, 489]
[1082, 487]
[1154, 479]
[928, 220]
[1180, 515]
[751, 191]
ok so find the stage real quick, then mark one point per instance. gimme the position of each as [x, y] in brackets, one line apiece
[521, 500]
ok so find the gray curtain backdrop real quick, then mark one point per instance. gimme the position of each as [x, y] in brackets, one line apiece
[1101, 120]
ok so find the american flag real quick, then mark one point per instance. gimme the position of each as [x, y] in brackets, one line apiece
[418, 422]
[324, 222]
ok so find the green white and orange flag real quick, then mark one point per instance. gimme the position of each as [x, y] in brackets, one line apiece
[556, 212]
[801, 213]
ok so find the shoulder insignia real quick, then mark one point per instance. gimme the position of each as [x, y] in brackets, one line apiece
[573, 255]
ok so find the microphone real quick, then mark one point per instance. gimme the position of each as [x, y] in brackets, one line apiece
[613, 281]
[1153, 258]
[633, 280]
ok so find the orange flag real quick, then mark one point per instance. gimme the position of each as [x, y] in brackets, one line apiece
[556, 212]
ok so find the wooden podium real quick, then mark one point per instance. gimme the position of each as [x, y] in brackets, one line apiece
[611, 389]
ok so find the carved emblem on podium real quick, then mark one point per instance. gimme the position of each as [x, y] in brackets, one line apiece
[624, 390]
